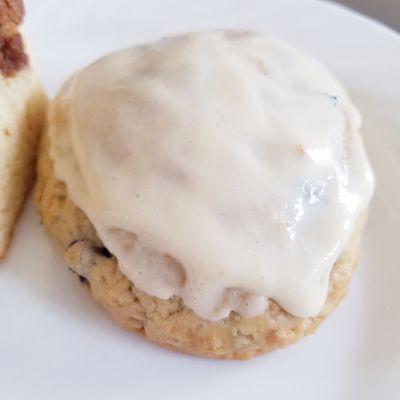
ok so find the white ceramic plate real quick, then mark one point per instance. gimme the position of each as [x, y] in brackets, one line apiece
[56, 343]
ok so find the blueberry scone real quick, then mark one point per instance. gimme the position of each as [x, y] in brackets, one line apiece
[209, 189]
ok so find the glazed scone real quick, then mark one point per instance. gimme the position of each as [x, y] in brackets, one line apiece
[210, 189]
[22, 113]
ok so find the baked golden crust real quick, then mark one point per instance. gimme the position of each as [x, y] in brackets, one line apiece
[11, 12]
[12, 52]
[168, 322]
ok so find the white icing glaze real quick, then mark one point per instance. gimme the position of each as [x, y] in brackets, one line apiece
[225, 168]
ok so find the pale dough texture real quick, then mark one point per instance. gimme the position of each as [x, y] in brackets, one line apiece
[22, 115]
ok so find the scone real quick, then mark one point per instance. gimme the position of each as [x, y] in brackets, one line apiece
[209, 189]
[22, 110]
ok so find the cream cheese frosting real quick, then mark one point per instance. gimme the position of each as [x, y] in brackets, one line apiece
[224, 168]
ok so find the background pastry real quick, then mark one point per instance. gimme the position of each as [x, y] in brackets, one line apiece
[22, 112]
